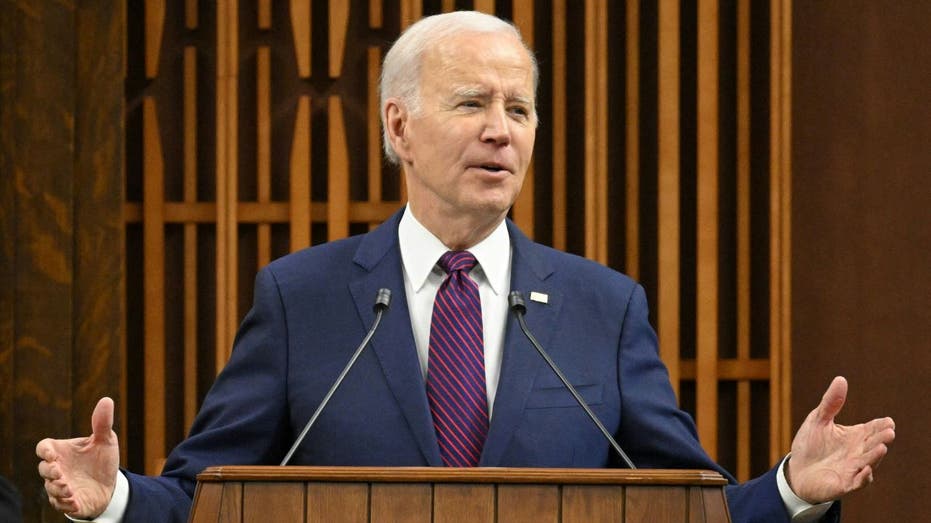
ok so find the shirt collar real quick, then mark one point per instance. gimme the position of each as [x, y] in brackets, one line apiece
[420, 250]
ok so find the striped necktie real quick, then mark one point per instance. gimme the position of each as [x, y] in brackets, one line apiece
[456, 368]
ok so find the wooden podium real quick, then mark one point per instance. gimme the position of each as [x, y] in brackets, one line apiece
[425, 494]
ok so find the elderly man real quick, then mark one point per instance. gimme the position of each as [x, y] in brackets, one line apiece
[449, 379]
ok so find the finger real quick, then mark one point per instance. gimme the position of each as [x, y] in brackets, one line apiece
[880, 424]
[885, 437]
[102, 418]
[833, 400]
[49, 471]
[45, 449]
[874, 455]
[58, 490]
[862, 479]
[68, 505]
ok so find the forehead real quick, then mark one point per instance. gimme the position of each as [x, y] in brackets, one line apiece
[479, 59]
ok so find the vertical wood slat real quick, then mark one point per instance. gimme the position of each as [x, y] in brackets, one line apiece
[272, 502]
[528, 503]
[632, 142]
[226, 176]
[592, 503]
[780, 225]
[485, 6]
[668, 281]
[413, 500]
[743, 235]
[300, 29]
[376, 15]
[452, 501]
[155, 26]
[264, 14]
[448, 6]
[190, 236]
[299, 210]
[263, 149]
[374, 129]
[190, 14]
[596, 130]
[706, 292]
[650, 503]
[153, 232]
[523, 210]
[338, 179]
[338, 502]
[339, 22]
[411, 11]
[559, 125]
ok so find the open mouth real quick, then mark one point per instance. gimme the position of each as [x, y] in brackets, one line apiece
[492, 167]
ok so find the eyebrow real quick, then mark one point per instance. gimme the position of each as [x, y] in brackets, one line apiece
[480, 92]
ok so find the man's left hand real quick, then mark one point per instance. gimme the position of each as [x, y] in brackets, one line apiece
[829, 460]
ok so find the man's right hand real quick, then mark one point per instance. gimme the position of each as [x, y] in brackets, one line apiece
[80, 473]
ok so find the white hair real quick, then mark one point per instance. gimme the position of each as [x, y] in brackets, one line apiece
[400, 77]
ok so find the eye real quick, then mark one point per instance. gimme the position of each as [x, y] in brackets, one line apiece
[519, 111]
[470, 104]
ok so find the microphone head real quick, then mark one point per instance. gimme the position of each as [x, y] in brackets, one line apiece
[382, 299]
[516, 302]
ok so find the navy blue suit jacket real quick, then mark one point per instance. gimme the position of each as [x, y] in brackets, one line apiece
[313, 307]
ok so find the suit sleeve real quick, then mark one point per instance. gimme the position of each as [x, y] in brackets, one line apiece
[244, 418]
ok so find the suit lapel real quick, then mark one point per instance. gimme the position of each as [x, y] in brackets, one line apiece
[393, 344]
[520, 362]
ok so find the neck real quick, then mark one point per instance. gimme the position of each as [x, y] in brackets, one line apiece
[456, 231]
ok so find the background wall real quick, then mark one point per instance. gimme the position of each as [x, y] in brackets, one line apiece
[861, 235]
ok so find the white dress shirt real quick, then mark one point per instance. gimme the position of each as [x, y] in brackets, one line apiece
[420, 252]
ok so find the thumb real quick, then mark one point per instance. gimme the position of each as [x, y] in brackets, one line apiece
[102, 419]
[833, 400]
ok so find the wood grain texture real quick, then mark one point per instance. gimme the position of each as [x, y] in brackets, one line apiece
[528, 503]
[61, 141]
[455, 503]
[592, 504]
[413, 501]
[99, 252]
[707, 229]
[347, 502]
[668, 234]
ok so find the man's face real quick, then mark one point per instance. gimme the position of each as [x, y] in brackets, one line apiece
[466, 151]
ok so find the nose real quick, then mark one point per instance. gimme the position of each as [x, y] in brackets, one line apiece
[497, 128]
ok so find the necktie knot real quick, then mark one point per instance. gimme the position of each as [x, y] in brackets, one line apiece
[452, 261]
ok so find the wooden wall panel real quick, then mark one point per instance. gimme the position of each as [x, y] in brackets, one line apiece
[861, 231]
[61, 142]
[643, 162]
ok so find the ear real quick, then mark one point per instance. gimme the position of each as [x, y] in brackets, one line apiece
[396, 117]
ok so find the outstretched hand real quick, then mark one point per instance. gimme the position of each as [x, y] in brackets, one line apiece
[80, 473]
[829, 460]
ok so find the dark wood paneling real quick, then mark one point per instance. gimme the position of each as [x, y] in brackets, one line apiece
[862, 231]
[61, 208]
[98, 207]
[43, 185]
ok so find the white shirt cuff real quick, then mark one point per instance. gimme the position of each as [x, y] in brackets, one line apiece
[800, 510]
[118, 502]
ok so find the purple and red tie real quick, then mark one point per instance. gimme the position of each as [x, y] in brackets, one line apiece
[456, 368]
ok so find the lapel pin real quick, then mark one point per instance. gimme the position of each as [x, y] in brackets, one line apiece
[539, 297]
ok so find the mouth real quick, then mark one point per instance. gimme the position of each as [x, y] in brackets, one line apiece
[493, 168]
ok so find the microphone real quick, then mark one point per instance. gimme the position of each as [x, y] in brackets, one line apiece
[382, 301]
[519, 307]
